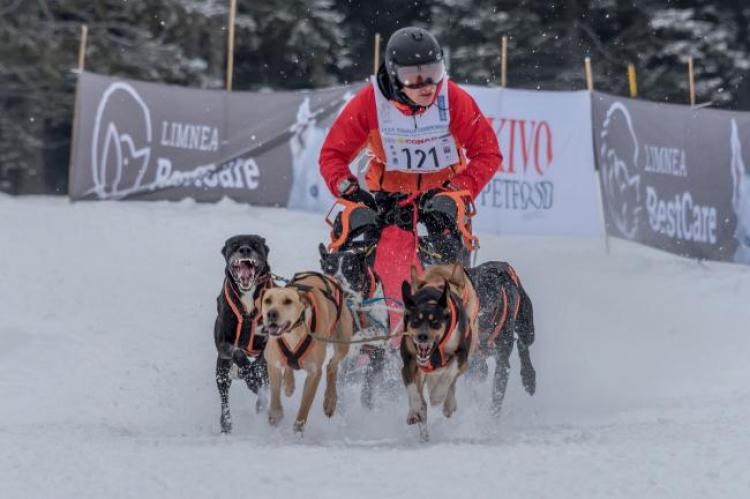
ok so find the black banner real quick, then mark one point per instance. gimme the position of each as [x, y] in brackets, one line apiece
[674, 177]
[136, 140]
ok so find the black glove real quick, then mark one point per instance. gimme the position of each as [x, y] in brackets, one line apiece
[358, 195]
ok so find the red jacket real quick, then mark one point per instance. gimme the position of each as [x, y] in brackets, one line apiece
[357, 127]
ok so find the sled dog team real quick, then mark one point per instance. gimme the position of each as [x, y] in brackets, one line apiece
[264, 332]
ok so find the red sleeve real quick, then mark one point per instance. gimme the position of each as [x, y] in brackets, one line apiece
[345, 139]
[474, 133]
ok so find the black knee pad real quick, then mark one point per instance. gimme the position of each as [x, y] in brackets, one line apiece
[439, 214]
[363, 227]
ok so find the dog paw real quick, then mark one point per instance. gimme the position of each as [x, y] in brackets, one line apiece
[275, 417]
[329, 405]
[415, 417]
[299, 426]
[288, 382]
[449, 407]
[226, 420]
[528, 378]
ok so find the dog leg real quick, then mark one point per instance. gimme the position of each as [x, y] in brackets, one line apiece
[261, 403]
[502, 371]
[288, 382]
[450, 404]
[478, 368]
[424, 433]
[275, 411]
[373, 370]
[439, 386]
[413, 381]
[331, 395]
[528, 374]
[308, 395]
[252, 375]
[223, 383]
[255, 375]
[417, 404]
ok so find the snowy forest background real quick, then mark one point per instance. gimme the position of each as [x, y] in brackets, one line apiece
[295, 44]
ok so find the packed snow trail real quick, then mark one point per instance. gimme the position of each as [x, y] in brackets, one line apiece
[107, 362]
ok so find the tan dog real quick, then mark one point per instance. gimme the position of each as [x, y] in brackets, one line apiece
[312, 302]
[440, 322]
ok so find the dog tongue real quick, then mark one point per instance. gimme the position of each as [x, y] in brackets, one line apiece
[245, 274]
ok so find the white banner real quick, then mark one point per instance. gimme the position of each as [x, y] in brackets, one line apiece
[547, 184]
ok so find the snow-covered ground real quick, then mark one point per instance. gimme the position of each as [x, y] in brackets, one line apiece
[107, 359]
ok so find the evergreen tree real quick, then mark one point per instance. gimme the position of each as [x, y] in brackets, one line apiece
[288, 44]
[363, 19]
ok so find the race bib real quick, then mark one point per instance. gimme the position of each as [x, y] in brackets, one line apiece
[416, 144]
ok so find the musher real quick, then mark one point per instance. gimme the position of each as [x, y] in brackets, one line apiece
[431, 152]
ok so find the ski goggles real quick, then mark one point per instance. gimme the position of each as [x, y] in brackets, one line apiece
[420, 76]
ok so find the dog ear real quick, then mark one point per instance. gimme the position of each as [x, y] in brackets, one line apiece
[415, 280]
[457, 277]
[443, 302]
[406, 294]
[323, 250]
[259, 300]
[266, 249]
[304, 299]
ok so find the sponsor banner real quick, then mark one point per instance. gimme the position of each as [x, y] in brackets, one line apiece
[137, 140]
[546, 184]
[674, 177]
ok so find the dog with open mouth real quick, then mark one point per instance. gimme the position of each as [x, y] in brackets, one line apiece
[311, 304]
[238, 337]
[440, 326]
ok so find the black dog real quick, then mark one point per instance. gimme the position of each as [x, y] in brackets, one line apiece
[506, 313]
[353, 269]
[238, 339]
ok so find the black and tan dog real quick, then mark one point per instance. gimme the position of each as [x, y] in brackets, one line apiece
[239, 341]
[352, 268]
[310, 303]
[440, 310]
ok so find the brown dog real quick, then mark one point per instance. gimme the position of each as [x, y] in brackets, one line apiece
[311, 302]
[440, 323]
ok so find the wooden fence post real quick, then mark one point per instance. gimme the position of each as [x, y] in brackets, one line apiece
[504, 62]
[82, 48]
[230, 44]
[691, 82]
[376, 55]
[589, 75]
[632, 82]
[74, 127]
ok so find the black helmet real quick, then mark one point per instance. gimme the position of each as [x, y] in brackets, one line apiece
[419, 51]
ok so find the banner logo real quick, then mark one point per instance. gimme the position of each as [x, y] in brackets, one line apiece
[618, 156]
[121, 142]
